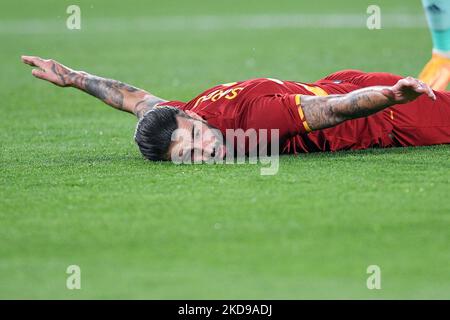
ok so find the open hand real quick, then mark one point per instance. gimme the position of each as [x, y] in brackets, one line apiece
[49, 70]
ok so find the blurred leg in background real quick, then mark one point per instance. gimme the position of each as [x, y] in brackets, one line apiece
[437, 71]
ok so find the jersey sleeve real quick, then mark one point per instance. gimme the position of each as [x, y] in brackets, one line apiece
[364, 79]
[174, 103]
[281, 112]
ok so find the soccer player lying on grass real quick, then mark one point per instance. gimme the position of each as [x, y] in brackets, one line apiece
[348, 110]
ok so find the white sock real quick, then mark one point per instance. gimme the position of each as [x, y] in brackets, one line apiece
[445, 54]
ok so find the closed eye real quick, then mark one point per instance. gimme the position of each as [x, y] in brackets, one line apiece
[195, 134]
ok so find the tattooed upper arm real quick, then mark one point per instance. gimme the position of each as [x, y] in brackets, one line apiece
[117, 94]
[110, 91]
[148, 103]
[319, 111]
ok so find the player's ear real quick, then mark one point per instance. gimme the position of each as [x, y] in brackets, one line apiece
[192, 114]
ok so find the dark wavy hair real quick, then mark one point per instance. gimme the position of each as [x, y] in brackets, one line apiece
[154, 132]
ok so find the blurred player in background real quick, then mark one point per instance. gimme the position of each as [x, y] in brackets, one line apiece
[437, 71]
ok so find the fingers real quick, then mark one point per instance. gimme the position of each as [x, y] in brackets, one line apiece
[424, 88]
[38, 73]
[418, 86]
[27, 60]
[33, 61]
[427, 90]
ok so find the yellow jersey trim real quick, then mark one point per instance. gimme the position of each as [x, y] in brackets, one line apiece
[317, 91]
[307, 128]
[300, 113]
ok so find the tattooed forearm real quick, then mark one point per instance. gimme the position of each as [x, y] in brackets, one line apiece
[364, 102]
[325, 112]
[114, 93]
[110, 91]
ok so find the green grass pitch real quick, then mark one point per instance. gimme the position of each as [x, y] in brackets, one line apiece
[75, 190]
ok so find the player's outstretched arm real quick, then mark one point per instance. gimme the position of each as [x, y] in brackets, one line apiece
[114, 93]
[329, 111]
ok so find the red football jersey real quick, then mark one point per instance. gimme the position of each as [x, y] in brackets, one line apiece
[262, 103]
